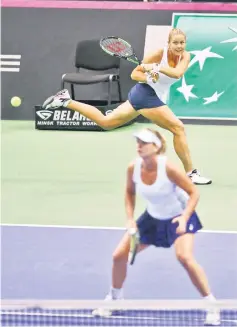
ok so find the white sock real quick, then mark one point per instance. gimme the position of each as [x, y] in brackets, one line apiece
[210, 297]
[116, 293]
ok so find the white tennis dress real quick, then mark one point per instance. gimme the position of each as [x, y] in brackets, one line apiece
[164, 199]
[162, 86]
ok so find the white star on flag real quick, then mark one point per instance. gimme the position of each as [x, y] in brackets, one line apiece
[186, 89]
[214, 98]
[202, 55]
[233, 39]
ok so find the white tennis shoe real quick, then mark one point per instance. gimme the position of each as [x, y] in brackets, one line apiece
[104, 312]
[213, 317]
[60, 99]
[198, 179]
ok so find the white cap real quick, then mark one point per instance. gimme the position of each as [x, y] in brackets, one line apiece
[147, 136]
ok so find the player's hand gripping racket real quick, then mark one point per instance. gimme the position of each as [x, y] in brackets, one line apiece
[115, 46]
[134, 242]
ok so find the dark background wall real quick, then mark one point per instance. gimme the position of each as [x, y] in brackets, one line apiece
[46, 39]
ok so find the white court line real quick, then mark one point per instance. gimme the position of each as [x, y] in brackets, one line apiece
[103, 228]
[206, 118]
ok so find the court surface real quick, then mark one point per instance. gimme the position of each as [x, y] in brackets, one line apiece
[63, 214]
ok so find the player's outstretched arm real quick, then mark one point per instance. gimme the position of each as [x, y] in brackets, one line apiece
[130, 197]
[179, 70]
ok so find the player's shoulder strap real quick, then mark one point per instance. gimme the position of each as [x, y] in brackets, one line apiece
[162, 160]
[137, 169]
[164, 58]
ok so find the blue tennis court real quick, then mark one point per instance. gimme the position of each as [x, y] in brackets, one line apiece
[63, 263]
[75, 263]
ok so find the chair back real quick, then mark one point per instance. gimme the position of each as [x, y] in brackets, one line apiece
[89, 55]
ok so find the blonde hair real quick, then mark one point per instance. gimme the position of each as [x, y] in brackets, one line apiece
[175, 31]
[162, 149]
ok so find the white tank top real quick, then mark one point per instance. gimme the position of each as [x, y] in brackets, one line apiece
[164, 199]
[161, 87]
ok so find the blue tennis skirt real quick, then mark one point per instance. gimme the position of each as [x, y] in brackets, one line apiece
[142, 96]
[162, 233]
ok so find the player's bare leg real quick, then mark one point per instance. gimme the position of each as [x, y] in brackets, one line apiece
[118, 117]
[184, 253]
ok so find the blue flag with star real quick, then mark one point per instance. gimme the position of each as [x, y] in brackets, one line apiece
[209, 87]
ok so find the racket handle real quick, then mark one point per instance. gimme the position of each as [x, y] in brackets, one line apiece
[132, 231]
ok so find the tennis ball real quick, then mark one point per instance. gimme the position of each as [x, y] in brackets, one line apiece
[15, 101]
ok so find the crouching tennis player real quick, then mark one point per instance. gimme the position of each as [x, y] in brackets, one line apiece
[169, 219]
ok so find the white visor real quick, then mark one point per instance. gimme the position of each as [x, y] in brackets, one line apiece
[148, 137]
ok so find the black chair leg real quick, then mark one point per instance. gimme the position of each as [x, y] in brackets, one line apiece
[62, 84]
[119, 91]
[109, 92]
[72, 92]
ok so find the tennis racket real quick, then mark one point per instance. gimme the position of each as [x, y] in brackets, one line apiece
[134, 242]
[115, 46]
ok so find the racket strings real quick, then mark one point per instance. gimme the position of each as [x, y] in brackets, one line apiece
[118, 47]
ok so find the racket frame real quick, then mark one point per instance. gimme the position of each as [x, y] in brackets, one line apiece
[134, 242]
[132, 58]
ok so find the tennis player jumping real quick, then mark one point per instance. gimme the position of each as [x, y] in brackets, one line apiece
[145, 98]
[169, 218]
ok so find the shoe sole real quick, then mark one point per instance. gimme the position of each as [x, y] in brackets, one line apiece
[101, 313]
[213, 324]
[208, 183]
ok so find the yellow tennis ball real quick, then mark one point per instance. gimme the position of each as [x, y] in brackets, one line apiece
[15, 101]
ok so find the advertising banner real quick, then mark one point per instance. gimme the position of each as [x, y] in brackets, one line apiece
[208, 90]
[209, 87]
[66, 119]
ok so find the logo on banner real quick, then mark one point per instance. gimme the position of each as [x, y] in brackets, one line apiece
[10, 63]
[44, 114]
[62, 118]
